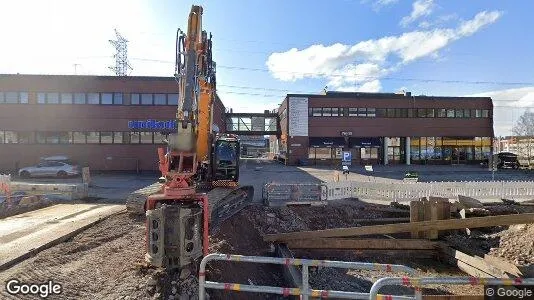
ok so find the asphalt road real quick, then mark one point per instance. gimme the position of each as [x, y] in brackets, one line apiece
[114, 187]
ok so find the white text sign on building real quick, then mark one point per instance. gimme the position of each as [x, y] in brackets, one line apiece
[298, 116]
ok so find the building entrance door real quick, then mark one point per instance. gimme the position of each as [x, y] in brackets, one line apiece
[459, 155]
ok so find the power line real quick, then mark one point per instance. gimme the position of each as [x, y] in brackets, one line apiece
[378, 77]
[362, 76]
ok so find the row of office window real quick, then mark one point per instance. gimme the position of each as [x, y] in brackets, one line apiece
[14, 97]
[90, 98]
[368, 112]
[81, 137]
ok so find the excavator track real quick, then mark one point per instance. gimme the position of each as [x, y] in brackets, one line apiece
[135, 202]
[224, 202]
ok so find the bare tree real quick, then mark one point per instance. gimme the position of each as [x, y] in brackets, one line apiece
[524, 130]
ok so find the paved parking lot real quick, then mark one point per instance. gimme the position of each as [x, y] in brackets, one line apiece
[258, 172]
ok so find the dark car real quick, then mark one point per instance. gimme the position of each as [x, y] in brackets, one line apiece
[507, 160]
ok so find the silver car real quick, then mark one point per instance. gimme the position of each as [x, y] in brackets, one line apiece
[49, 169]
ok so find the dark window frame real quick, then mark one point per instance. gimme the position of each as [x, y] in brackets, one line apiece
[159, 94]
[151, 99]
[99, 101]
[421, 112]
[102, 98]
[75, 99]
[115, 94]
[316, 112]
[381, 113]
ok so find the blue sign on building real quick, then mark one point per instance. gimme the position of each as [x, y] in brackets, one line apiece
[153, 125]
[347, 158]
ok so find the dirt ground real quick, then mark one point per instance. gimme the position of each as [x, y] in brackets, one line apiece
[513, 243]
[107, 260]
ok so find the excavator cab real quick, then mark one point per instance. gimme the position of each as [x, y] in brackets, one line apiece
[225, 158]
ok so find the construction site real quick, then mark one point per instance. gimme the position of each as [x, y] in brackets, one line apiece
[218, 221]
[98, 248]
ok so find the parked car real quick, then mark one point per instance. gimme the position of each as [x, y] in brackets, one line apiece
[507, 160]
[59, 158]
[50, 168]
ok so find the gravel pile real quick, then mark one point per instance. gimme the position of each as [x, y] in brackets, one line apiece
[516, 245]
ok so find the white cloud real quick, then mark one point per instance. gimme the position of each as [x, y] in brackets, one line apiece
[372, 86]
[369, 60]
[441, 20]
[480, 20]
[518, 97]
[382, 3]
[420, 8]
[509, 105]
[379, 4]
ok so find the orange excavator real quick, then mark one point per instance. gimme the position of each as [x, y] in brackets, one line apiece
[199, 186]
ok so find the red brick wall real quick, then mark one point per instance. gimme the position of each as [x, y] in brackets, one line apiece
[392, 127]
[75, 117]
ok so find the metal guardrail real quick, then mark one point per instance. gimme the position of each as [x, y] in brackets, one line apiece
[305, 291]
[281, 193]
[419, 282]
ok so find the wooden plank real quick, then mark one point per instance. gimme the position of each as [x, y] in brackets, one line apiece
[474, 266]
[373, 254]
[420, 254]
[469, 202]
[340, 243]
[433, 234]
[415, 209]
[503, 265]
[381, 220]
[406, 227]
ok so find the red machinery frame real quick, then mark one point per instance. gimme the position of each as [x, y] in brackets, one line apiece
[179, 188]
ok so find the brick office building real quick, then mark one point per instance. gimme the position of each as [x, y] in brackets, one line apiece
[108, 122]
[384, 128]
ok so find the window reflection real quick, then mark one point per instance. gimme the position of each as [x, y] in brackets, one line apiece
[449, 149]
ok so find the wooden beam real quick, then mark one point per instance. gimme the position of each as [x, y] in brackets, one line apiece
[362, 244]
[503, 265]
[373, 253]
[474, 266]
[406, 227]
[381, 220]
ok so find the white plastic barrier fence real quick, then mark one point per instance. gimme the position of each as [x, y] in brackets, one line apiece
[416, 190]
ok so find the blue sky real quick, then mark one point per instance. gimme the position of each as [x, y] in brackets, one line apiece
[265, 49]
